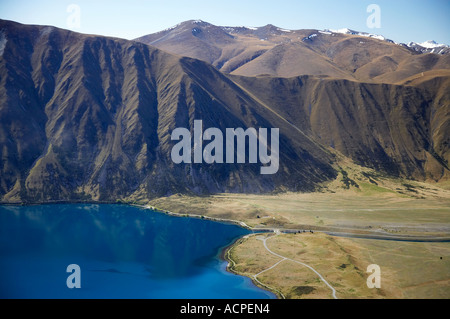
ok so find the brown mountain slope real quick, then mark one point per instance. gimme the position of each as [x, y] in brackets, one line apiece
[90, 117]
[401, 130]
[287, 53]
[87, 117]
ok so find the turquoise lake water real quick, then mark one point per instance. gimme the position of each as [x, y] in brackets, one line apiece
[122, 252]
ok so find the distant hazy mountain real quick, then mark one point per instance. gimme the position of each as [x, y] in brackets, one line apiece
[90, 117]
[344, 53]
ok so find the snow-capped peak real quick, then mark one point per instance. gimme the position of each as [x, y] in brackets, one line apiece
[430, 44]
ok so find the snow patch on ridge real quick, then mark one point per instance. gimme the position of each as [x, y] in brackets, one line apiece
[171, 28]
[3, 41]
[424, 47]
[46, 30]
[352, 32]
[238, 29]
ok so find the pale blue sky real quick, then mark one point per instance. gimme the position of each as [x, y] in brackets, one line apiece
[401, 20]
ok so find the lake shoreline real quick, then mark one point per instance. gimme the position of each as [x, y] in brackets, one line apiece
[225, 255]
[224, 252]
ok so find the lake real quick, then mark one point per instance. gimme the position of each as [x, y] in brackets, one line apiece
[122, 251]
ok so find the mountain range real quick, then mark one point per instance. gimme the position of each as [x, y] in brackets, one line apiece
[86, 117]
[269, 50]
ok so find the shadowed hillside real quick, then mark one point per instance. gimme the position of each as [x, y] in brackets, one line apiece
[399, 130]
[88, 117]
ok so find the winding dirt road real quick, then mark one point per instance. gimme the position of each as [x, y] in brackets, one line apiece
[283, 258]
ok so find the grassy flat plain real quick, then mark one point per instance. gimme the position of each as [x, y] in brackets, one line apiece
[408, 269]
[345, 211]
